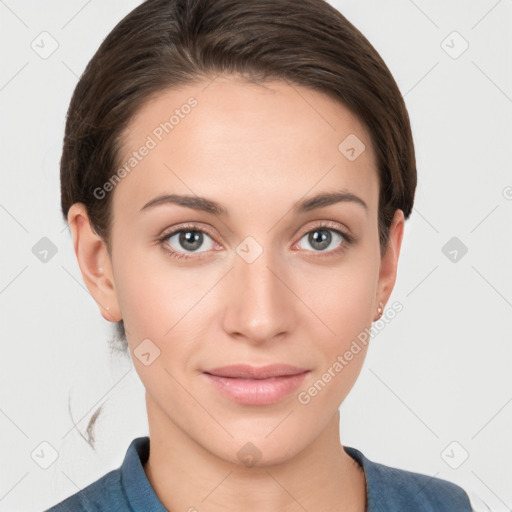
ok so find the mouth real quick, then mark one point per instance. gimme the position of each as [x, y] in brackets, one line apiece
[250, 385]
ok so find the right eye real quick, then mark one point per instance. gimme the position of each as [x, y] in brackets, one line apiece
[181, 243]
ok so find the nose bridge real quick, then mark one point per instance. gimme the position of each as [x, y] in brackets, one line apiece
[260, 304]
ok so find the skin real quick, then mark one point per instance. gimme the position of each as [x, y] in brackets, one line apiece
[256, 149]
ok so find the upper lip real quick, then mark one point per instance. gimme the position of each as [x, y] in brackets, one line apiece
[246, 371]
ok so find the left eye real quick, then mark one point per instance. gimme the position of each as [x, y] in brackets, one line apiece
[322, 238]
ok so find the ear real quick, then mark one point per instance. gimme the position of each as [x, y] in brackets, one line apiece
[94, 261]
[389, 260]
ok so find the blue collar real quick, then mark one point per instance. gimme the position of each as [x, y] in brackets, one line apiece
[139, 492]
[142, 496]
[387, 488]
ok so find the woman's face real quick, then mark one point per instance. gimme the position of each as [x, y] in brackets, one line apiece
[265, 281]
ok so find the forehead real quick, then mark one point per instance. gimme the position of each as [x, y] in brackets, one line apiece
[249, 141]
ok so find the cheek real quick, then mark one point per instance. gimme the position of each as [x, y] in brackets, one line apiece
[141, 302]
[341, 298]
[159, 305]
[348, 303]
[342, 303]
[158, 300]
[139, 294]
[346, 309]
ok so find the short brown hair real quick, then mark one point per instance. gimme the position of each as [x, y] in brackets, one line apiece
[165, 43]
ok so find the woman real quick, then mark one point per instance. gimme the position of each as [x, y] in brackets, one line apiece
[236, 177]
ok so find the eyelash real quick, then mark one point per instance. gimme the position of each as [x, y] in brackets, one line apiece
[327, 226]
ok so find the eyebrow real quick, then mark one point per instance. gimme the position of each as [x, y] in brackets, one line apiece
[320, 200]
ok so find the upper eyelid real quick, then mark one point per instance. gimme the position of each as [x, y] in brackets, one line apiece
[330, 225]
[345, 232]
[192, 227]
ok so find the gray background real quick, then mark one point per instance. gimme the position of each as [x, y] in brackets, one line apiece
[436, 386]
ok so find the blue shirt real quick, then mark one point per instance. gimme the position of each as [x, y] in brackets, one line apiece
[127, 489]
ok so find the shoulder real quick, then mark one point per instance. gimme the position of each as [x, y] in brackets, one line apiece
[123, 489]
[396, 489]
[104, 494]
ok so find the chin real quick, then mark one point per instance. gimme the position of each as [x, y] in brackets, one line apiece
[263, 447]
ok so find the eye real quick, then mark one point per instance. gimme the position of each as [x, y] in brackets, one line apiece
[323, 237]
[187, 239]
[184, 242]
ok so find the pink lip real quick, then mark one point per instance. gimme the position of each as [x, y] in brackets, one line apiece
[250, 385]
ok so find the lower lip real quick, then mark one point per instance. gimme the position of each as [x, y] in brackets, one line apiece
[256, 391]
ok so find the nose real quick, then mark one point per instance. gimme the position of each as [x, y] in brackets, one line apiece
[259, 302]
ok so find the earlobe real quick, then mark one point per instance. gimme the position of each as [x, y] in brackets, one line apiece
[94, 262]
[389, 261]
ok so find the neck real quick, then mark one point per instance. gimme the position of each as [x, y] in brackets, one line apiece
[186, 476]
